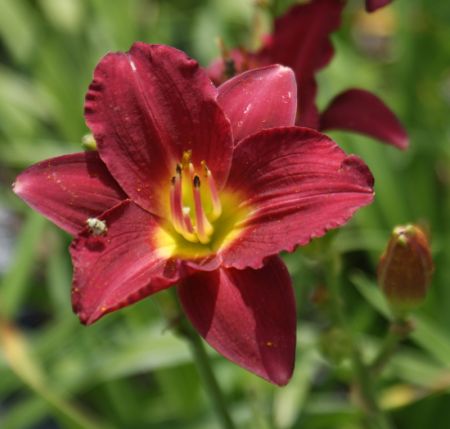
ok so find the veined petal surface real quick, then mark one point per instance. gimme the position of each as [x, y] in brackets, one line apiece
[121, 266]
[69, 189]
[259, 99]
[363, 112]
[248, 316]
[298, 184]
[145, 108]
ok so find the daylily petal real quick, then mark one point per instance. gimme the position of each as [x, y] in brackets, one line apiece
[258, 99]
[301, 40]
[298, 184]
[121, 266]
[372, 5]
[361, 111]
[308, 114]
[248, 316]
[145, 107]
[69, 189]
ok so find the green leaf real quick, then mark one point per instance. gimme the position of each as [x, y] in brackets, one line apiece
[13, 286]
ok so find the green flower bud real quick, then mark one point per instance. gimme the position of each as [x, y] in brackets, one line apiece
[405, 268]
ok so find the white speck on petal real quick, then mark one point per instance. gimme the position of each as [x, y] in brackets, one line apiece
[248, 108]
[286, 98]
[133, 66]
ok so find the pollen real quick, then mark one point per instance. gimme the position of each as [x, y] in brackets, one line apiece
[194, 200]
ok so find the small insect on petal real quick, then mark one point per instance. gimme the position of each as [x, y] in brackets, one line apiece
[96, 226]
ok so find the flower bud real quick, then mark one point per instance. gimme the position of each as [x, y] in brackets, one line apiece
[405, 268]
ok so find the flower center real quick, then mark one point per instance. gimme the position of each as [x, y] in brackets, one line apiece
[194, 201]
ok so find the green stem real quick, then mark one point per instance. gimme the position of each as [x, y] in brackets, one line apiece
[398, 331]
[178, 321]
[209, 379]
[374, 416]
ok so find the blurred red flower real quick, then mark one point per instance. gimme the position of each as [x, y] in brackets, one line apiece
[301, 41]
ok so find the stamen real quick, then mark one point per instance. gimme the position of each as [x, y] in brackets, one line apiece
[187, 220]
[176, 210]
[180, 215]
[204, 228]
[216, 206]
[185, 189]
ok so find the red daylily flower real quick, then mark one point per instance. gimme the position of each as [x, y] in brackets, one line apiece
[373, 5]
[200, 187]
[301, 41]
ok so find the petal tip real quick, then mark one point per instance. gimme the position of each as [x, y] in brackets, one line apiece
[86, 318]
[18, 186]
[15, 187]
[355, 163]
[403, 142]
[284, 69]
[282, 375]
[282, 379]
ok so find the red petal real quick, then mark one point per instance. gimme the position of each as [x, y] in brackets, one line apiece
[248, 316]
[372, 5]
[69, 189]
[308, 113]
[145, 108]
[301, 40]
[258, 99]
[363, 112]
[298, 184]
[120, 267]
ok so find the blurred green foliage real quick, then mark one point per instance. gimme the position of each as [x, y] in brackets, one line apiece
[129, 370]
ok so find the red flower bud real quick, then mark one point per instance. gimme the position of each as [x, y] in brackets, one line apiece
[405, 268]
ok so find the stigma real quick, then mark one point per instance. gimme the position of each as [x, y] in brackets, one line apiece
[194, 201]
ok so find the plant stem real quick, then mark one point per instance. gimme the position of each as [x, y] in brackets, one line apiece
[209, 379]
[398, 331]
[178, 322]
[374, 416]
